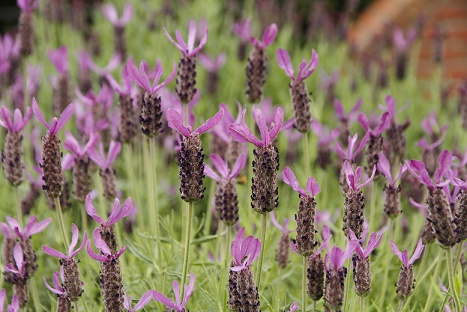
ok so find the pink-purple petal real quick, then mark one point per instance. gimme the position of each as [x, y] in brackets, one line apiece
[278, 120]
[269, 35]
[290, 179]
[114, 150]
[144, 300]
[140, 78]
[220, 165]
[53, 252]
[283, 60]
[211, 122]
[93, 255]
[38, 113]
[176, 122]
[384, 167]
[66, 114]
[238, 166]
[417, 253]
[100, 243]
[312, 186]
[91, 210]
[208, 171]
[164, 300]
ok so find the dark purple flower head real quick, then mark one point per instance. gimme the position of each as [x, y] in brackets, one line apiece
[59, 59]
[143, 301]
[443, 174]
[178, 305]
[56, 124]
[349, 154]
[27, 5]
[118, 212]
[212, 64]
[385, 168]
[241, 133]
[268, 37]
[13, 307]
[73, 146]
[188, 48]
[17, 123]
[57, 289]
[404, 257]
[125, 87]
[324, 135]
[312, 187]
[142, 76]
[403, 44]
[341, 115]
[245, 250]
[243, 29]
[353, 177]
[380, 128]
[223, 167]
[106, 255]
[305, 69]
[110, 13]
[282, 228]
[71, 249]
[176, 122]
[373, 243]
[32, 227]
[98, 156]
[19, 267]
[336, 258]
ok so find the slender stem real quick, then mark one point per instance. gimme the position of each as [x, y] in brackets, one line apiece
[100, 190]
[435, 274]
[58, 208]
[186, 252]
[153, 165]
[386, 267]
[399, 307]
[373, 206]
[263, 241]
[35, 297]
[19, 213]
[225, 270]
[76, 307]
[347, 288]
[84, 303]
[452, 280]
[315, 306]
[306, 155]
[305, 266]
[422, 264]
[458, 256]
[131, 169]
[362, 304]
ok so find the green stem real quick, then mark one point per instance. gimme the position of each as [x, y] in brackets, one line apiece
[35, 297]
[386, 267]
[373, 206]
[186, 252]
[435, 274]
[347, 288]
[58, 208]
[315, 306]
[84, 303]
[76, 307]
[399, 307]
[362, 304]
[458, 256]
[422, 264]
[304, 268]
[225, 268]
[263, 241]
[155, 203]
[130, 169]
[451, 280]
[100, 190]
[19, 213]
[306, 155]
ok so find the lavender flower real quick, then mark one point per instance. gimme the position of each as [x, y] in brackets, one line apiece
[20, 275]
[110, 277]
[51, 155]
[402, 46]
[391, 202]
[346, 119]
[186, 79]
[110, 12]
[191, 154]
[13, 307]
[328, 83]
[226, 192]
[105, 163]
[26, 27]
[282, 255]
[354, 204]
[266, 163]
[315, 271]
[178, 306]
[106, 228]
[151, 111]
[71, 281]
[12, 151]
[394, 134]
[325, 137]
[212, 65]
[61, 95]
[305, 218]
[298, 91]
[257, 65]
[63, 302]
[460, 218]
[243, 30]
[143, 301]
[406, 282]
[429, 153]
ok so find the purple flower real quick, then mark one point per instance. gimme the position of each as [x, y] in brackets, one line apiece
[340, 111]
[268, 37]
[430, 147]
[110, 13]
[18, 123]
[9, 47]
[404, 257]
[336, 257]
[403, 44]
[379, 129]
[57, 289]
[430, 125]
[17, 89]
[27, 5]
[32, 227]
[324, 135]
[385, 168]
[125, 88]
[330, 81]
[73, 146]
[118, 212]
[98, 156]
[222, 130]
[223, 168]
[212, 64]
[106, 255]
[391, 108]
[176, 122]
[142, 77]
[114, 62]
[178, 305]
[349, 154]
[294, 307]
[305, 69]
[325, 235]
[71, 249]
[188, 49]
[243, 29]
[443, 174]
[353, 177]
[143, 301]
[59, 59]
[282, 228]
[241, 133]
[13, 307]
[312, 187]
[373, 243]
[56, 124]
[245, 250]
[19, 268]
